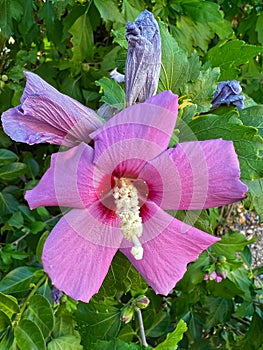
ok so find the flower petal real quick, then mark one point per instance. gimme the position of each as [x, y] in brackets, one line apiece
[68, 182]
[46, 115]
[139, 132]
[165, 257]
[75, 265]
[195, 175]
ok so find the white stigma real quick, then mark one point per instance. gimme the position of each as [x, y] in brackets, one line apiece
[128, 210]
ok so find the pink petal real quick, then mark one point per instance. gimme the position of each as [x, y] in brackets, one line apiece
[46, 115]
[75, 265]
[166, 256]
[68, 182]
[139, 132]
[195, 175]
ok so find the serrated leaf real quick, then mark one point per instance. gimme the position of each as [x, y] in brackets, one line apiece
[97, 322]
[12, 171]
[200, 92]
[28, 336]
[7, 156]
[82, 40]
[109, 12]
[8, 305]
[246, 140]
[253, 116]
[240, 278]
[174, 70]
[115, 344]
[114, 95]
[17, 280]
[39, 311]
[122, 277]
[229, 55]
[67, 342]
[219, 311]
[230, 244]
[173, 338]
[8, 203]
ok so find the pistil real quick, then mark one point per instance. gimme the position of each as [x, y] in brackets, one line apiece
[128, 210]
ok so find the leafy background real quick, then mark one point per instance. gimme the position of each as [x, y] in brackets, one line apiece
[74, 45]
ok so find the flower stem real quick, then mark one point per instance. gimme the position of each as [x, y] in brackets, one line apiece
[143, 338]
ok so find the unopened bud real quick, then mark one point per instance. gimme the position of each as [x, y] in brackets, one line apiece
[4, 77]
[143, 62]
[142, 302]
[228, 92]
[127, 314]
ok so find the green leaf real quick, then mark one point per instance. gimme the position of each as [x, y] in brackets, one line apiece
[115, 344]
[68, 342]
[8, 203]
[173, 338]
[17, 280]
[4, 321]
[7, 156]
[28, 336]
[7, 339]
[229, 55]
[122, 277]
[254, 337]
[12, 171]
[252, 116]
[246, 140]
[109, 12]
[8, 305]
[255, 188]
[82, 40]
[97, 322]
[240, 278]
[114, 95]
[230, 244]
[219, 310]
[40, 246]
[175, 66]
[259, 26]
[39, 311]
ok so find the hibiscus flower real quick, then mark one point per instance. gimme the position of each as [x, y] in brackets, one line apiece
[119, 192]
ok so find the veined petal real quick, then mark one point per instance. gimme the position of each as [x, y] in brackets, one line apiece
[140, 132]
[165, 257]
[47, 115]
[195, 175]
[75, 265]
[68, 182]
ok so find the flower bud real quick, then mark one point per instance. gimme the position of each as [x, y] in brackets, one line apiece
[4, 77]
[228, 92]
[142, 302]
[127, 314]
[143, 62]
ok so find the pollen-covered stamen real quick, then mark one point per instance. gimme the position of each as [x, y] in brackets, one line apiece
[128, 209]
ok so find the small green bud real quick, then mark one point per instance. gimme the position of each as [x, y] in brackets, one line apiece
[85, 67]
[2, 84]
[4, 77]
[142, 302]
[222, 259]
[127, 314]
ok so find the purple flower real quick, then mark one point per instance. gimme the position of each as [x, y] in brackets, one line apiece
[228, 92]
[119, 191]
[143, 62]
[46, 115]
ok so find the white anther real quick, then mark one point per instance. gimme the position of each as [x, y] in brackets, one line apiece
[128, 210]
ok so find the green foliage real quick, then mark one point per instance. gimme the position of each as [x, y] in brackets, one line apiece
[74, 45]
